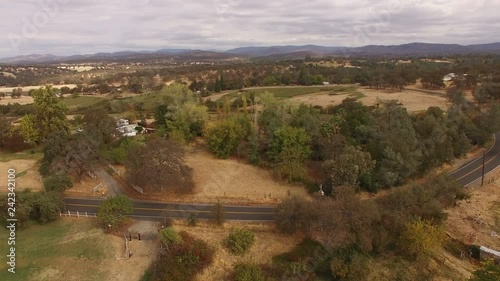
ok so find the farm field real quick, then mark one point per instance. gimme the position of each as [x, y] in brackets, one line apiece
[81, 101]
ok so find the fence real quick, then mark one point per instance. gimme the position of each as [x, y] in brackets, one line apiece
[138, 189]
[114, 170]
[78, 214]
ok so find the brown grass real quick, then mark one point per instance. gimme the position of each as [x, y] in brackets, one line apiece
[27, 181]
[413, 101]
[267, 244]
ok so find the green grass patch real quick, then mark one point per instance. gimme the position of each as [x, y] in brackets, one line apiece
[81, 101]
[65, 247]
[290, 92]
[21, 174]
[24, 155]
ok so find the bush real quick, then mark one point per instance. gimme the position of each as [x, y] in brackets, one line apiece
[192, 219]
[58, 182]
[239, 241]
[182, 261]
[114, 211]
[218, 215]
[248, 272]
[168, 236]
[37, 206]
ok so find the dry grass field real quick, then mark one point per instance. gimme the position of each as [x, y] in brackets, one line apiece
[267, 244]
[413, 101]
[72, 249]
[27, 174]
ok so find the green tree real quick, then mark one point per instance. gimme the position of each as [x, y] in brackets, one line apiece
[4, 130]
[349, 167]
[47, 206]
[168, 236]
[58, 182]
[29, 129]
[114, 211]
[217, 214]
[421, 238]
[288, 150]
[50, 112]
[239, 241]
[99, 125]
[398, 158]
[218, 86]
[224, 137]
[489, 271]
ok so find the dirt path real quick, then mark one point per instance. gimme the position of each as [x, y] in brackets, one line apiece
[114, 187]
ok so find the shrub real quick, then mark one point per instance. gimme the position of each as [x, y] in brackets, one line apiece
[192, 219]
[248, 272]
[168, 236]
[239, 241]
[114, 211]
[58, 182]
[218, 214]
[183, 260]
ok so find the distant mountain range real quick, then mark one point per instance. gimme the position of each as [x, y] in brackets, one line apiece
[276, 52]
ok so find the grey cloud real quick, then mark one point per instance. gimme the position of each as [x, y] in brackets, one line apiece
[89, 26]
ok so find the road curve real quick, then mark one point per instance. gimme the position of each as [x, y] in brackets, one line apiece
[473, 170]
[157, 210]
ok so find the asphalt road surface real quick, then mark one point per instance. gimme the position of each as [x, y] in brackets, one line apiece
[466, 175]
[473, 170]
[157, 210]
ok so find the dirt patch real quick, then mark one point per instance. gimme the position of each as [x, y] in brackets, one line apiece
[21, 100]
[27, 174]
[411, 100]
[234, 181]
[477, 220]
[228, 180]
[85, 188]
[143, 255]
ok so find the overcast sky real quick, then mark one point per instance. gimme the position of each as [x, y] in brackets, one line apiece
[64, 27]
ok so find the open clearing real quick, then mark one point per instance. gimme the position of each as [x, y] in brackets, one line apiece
[228, 180]
[27, 174]
[74, 249]
[411, 100]
[477, 220]
[28, 88]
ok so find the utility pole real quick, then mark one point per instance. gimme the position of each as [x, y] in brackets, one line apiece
[482, 177]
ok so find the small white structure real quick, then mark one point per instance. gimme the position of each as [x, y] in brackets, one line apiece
[326, 83]
[122, 122]
[449, 77]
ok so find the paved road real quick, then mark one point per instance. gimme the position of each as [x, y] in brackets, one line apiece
[465, 175]
[157, 210]
[472, 171]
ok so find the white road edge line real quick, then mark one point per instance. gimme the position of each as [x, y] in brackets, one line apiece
[492, 170]
[478, 158]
